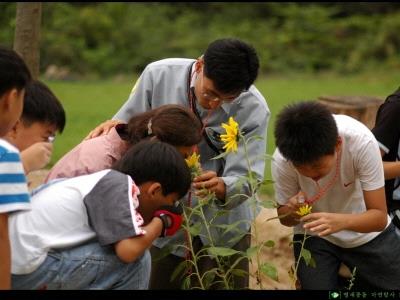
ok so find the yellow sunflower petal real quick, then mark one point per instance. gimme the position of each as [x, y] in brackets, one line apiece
[304, 210]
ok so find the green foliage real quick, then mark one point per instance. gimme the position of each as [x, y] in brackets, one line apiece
[269, 270]
[120, 37]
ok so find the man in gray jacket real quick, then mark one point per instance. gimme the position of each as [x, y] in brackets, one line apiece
[216, 86]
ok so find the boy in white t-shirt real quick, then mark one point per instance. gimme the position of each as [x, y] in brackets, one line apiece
[94, 231]
[333, 163]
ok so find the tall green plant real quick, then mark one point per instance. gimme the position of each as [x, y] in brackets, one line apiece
[227, 259]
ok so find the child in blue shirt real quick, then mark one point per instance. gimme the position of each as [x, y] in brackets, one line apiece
[14, 196]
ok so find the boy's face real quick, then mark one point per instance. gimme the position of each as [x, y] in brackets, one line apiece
[322, 166]
[319, 168]
[186, 151]
[151, 199]
[12, 103]
[24, 135]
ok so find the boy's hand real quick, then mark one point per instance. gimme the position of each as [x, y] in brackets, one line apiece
[171, 217]
[295, 203]
[324, 223]
[102, 129]
[288, 212]
[36, 156]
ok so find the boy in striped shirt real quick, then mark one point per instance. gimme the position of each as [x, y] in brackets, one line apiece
[14, 76]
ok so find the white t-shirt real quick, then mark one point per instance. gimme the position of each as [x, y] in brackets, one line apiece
[72, 211]
[360, 169]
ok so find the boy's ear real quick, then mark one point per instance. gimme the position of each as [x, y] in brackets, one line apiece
[14, 131]
[8, 98]
[199, 64]
[154, 189]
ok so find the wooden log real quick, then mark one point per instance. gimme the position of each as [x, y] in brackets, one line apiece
[362, 108]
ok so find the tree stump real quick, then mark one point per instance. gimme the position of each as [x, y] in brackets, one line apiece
[362, 108]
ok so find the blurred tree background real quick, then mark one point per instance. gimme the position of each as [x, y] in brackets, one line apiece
[102, 38]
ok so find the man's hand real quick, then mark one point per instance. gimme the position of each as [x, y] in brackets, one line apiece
[36, 156]
[171, 217]
[210, 181]
[102, 129]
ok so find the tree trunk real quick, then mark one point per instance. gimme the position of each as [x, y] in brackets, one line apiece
[27, 34]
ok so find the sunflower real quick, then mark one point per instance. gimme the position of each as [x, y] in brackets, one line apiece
[193, 163]
[232, 135]
[304, 210]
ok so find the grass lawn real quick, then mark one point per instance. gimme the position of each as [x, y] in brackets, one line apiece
[88, 103]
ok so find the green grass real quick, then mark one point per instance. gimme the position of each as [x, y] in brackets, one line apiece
[89, 103]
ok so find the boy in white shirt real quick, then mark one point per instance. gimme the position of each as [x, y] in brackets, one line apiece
[94, 231]
[333, 162]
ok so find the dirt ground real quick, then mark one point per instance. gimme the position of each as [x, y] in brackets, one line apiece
[281, 255]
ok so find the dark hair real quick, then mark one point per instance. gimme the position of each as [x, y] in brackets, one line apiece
[305, 131]
[152, 160]
[41, 105]
[13, 71]
[171, 123]
[231, 64]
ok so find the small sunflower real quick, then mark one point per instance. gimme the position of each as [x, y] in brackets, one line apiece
[304, 210]
[193, 163]
[232, 135]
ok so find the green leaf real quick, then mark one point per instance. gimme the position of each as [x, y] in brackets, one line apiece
[251, 251]
[269, 243]
[163, 252]
[306, 255]
[208, 279]
[231, 227]
[181, 268]
[236, 238]
[222, 155]
[269, 270]
[313, 264]
[222, 251]
[268, 203]
[239, 272]
[195, 229]
[186, 283]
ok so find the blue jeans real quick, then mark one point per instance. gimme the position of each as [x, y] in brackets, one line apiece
[377, 262]
[88, 266]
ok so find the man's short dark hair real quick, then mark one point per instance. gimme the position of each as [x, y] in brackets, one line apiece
[41, 105]
[231, 64]
[305, 131]
[13, 71]
[152, 160]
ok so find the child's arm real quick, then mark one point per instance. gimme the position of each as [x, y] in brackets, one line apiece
[36, 156]
[391, 169]
[128, 250]
[5, 253]
[374, 219]
[166, 222]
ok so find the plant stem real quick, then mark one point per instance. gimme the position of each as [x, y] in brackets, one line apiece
[253, 192]
[212, 245]
[298, 259]
[193, 254]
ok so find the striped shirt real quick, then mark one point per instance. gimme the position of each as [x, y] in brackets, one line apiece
[14, 193]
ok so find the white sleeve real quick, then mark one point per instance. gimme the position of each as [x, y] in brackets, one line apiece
[370, 167]
[285, 179]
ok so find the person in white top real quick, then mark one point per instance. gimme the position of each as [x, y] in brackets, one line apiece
[332, 163]
[94, 231]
